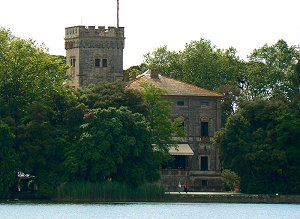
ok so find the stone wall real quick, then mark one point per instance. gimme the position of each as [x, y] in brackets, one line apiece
[86, 44]
[233, 198]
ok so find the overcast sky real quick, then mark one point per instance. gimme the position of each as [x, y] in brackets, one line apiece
[149, 24]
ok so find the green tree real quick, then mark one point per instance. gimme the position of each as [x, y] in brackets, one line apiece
[42, 113]
[270, 72]
[9, 159]
[260, 143]
[27, 73]
[162, 128]
[231, 179]
[41, 143]
[295, 86]
[208, 67]
[114, 94]
[164, 61]
[135, 70]
[115, 144]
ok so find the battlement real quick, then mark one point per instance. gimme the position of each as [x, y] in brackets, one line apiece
[92, 31]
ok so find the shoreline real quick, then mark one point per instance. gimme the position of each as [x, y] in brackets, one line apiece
[232, 197]
[175, 197]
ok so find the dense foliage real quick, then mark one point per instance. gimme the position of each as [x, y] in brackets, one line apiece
[106, 132]
[34, 113]
[261, 143]
[115, 144]
[99, 133]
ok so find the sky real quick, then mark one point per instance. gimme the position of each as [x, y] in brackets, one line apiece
[149, 24]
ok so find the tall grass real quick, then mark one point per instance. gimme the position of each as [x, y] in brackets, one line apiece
[108, 192]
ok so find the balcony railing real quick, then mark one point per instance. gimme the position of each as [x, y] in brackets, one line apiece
[206, 139]
[202, 139]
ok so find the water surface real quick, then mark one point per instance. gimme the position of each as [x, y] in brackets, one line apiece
[150, 210]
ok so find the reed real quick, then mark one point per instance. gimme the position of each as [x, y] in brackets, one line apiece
[108, 192]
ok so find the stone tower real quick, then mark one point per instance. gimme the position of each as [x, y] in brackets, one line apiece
[94, 54]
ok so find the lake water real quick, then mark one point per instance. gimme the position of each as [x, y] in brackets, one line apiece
[150, 210]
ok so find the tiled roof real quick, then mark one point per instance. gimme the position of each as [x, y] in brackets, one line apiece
[171, 86]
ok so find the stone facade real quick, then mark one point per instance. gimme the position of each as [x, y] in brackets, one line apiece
[200, 111]
[202, 170]
[94, 54]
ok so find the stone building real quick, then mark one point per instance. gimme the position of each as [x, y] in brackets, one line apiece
[94, 54]
[196, 157]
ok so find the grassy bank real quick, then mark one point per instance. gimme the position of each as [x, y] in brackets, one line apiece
[108, 192]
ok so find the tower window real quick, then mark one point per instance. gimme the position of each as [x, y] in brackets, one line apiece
[180, 103]
[104, 63]
[72, 61]
[97, 63]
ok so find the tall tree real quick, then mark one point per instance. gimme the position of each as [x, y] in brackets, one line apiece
[270, 70]
[37, 107]
[27, 73]
[164, 61]
[115, 144]
[9, 159]
[162, 128]
[261, 143]
[207, 66]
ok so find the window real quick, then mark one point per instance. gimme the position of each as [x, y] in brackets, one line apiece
[104, 63]
[97, 63]
[204, 128]
[204, 163]
[72, 61]
[204, 182]
[180, 103]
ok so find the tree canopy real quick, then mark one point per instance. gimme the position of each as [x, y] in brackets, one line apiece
[261, 143]
[107, 131]
[27, 73]
[162, 127]
[37, 109]
[115, 144]
[270, 72]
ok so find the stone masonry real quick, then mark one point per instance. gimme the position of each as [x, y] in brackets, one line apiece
[94, 54]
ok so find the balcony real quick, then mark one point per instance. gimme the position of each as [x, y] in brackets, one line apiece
[206, 139]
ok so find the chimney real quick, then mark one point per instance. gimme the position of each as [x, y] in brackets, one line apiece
[154, 74]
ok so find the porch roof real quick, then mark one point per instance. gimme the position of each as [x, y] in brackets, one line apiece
[181, 149]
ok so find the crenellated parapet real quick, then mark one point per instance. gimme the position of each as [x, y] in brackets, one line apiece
[92, 31]
[91, 37]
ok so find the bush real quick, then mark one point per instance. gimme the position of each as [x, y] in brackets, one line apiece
[231, 179]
